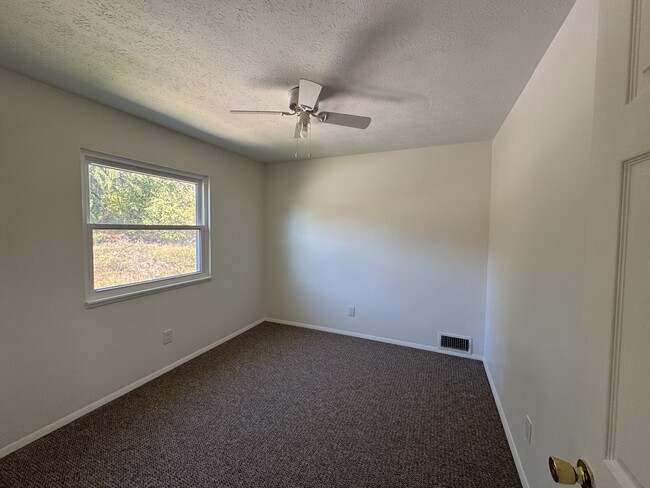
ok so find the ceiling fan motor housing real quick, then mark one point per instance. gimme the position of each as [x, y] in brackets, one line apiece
[293, 101]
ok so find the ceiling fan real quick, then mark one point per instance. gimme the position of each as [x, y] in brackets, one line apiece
[303, 102]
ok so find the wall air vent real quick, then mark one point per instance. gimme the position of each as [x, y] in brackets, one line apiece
[456, 343]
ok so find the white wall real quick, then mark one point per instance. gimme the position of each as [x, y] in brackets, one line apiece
[540, 166]
[400, 235]
[55, 355]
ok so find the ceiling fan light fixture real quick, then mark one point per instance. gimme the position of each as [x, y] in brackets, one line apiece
[304, 130]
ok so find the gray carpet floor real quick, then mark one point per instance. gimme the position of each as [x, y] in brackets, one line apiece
[280, 406]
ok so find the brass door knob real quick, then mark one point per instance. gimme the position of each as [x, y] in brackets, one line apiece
[564, 473]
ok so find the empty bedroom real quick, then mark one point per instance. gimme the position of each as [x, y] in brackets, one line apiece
[352, 243]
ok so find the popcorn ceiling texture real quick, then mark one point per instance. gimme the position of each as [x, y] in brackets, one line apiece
[428, 72]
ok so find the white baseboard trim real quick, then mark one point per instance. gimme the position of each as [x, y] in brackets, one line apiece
[14, 446]
[414, 345]
[506, 428]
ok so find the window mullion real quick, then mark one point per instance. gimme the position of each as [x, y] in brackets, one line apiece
[142, 227]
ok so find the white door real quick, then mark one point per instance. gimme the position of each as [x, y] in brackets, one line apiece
[613, 432]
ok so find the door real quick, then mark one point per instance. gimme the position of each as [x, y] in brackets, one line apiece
[613, 431]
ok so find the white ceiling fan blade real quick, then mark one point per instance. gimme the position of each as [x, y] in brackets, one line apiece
[355, 121]
[259, 112]
[296, 132]
[308, 93]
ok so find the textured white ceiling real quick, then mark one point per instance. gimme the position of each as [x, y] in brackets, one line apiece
[428, 72]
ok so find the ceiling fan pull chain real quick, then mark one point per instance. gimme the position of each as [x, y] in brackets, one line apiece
[309, 154]
[295, 155]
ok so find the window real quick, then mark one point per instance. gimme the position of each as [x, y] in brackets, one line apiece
[146, 228]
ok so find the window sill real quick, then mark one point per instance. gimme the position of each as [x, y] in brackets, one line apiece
[157, 288]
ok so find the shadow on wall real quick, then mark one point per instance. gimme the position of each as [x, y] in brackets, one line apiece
[402, 235]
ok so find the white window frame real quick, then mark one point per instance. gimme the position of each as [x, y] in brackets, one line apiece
[124, 292]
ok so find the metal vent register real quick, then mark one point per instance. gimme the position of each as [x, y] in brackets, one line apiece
[456, 343]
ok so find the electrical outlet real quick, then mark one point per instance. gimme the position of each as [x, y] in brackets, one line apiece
[168, 336]
[528, 430]
[352, 311]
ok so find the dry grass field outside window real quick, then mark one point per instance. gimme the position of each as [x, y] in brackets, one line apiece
[127, 257]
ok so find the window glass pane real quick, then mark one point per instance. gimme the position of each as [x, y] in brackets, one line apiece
[122, 257]
[118, 196]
